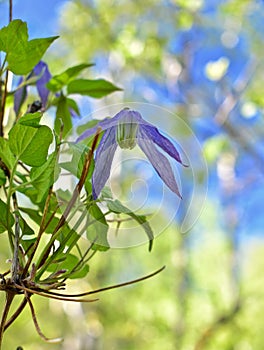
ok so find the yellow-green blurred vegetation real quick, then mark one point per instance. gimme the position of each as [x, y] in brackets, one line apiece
[197, 302]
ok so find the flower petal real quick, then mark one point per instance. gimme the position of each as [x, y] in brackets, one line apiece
[103, 160]
[42, 69]
[89, 132]
[163, 142]
[109, 122]
[20, 96]
[158, 160]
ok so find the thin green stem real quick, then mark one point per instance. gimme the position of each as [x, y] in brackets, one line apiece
[59, 250]
[24, 184]
[76, 192]
[41, 231]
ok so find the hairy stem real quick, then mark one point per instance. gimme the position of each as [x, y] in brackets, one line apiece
[15, 261]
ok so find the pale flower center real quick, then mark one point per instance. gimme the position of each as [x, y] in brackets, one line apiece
[127, 132]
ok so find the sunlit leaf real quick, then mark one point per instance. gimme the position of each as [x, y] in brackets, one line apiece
[63, 116]
[22, 55]
[26, 243]
[76, 164]
[58, 81]
[44, 176]
[94, 88]
[6, 154]
[6, 218]
[97, 228]
[2, 177]
[117, 207]
[70, 263]
[90, 124]
[30, 144]
[36, 216]
[73, 107]
[30, 119]
[25, 228]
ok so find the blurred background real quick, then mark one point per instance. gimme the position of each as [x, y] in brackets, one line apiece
[201, 60]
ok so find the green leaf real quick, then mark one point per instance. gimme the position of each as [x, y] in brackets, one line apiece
[31, 119]
[63, 195]
[44, 176]
[68, 237]
[30, 144]
[28, 81]
[94, 88]
[75, 166]
[6, 154]
[90, 124]
[24, 59]
[6, 218]
[32, 213]
[57, 82]
[21, 100]
[80, 272]
[73, 105]
[36, 216]
[22, 55]
[117, 207]
[29, 192]
[106, 193]
[2, 177]
[26, 243]
[63, 116]
[25, 228]
[9, 36]
[69, 263]
[97, 228]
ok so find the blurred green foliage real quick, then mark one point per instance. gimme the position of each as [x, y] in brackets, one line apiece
[191, 305]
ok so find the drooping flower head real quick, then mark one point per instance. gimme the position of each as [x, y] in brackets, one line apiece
[41, 71]
[128, 129]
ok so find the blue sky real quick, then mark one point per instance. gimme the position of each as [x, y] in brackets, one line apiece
[41, 16]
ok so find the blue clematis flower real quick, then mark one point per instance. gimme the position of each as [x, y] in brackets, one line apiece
[41, 70]
[19, 96]
[128, 129]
